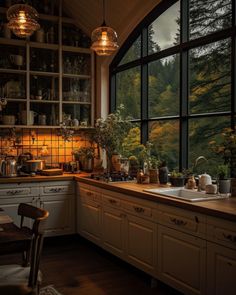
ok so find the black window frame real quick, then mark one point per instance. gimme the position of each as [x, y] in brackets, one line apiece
[183, 49]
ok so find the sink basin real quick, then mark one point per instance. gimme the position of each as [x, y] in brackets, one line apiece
[184, 194]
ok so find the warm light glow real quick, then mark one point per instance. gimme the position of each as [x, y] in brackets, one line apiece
[104, 41]
[22, 20]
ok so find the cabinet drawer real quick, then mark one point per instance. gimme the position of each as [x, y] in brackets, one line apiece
[57, 189]
[179, 219]
[137, 209]
[87, 195]
[222, 232]
[20, 190]
[110, 201]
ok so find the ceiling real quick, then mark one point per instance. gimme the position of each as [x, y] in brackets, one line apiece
[122, 15]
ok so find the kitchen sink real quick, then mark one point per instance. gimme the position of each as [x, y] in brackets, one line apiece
[184, 194]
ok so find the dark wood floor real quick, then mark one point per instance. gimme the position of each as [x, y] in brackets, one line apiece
[77, 267]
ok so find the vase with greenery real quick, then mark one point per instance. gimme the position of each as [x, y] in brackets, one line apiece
[110, 133]
[85, 156]
[223, 179]
[176, 178]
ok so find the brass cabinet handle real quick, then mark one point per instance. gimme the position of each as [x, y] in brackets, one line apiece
[56, 190]
[15, 192]
[178, 221]
[230, 237]
[139, 209]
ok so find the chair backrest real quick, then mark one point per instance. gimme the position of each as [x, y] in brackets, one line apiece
[39, 216]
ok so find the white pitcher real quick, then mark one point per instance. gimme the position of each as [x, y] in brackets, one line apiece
[204, 179]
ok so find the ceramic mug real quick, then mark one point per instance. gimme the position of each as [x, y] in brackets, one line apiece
[31, 115]
[211, 189]
[42, 119]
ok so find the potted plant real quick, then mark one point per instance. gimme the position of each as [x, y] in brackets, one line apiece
[85, 156]
[153, 169]
[176, 178]
[110, 133]
[223, 179]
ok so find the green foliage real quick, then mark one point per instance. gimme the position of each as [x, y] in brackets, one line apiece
[110, 132]
[84, 152]
[176, 174]
[223, 171]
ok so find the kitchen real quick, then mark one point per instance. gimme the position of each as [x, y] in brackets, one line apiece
[53, 89]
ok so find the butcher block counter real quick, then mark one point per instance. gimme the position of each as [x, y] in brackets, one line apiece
[225, 208]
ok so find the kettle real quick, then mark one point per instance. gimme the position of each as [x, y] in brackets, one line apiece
[204, 179]
[8, 167]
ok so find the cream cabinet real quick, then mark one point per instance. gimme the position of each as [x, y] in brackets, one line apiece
[182, 260]
[89, 213]
[221, 256]
[56, 197]
[121, 226]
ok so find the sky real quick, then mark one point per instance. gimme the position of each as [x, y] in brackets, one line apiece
[165, 27]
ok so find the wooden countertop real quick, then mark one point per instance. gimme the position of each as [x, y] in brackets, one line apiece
[39, 178]
[225, 208]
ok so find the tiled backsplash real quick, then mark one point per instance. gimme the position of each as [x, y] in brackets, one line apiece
[43, 144]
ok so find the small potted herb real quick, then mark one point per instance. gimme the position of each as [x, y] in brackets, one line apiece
[223, 178]
[176, 178]
[85, 156]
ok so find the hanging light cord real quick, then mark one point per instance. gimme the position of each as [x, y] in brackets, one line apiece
[103, 13]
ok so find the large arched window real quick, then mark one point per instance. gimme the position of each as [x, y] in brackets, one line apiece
[175, 75]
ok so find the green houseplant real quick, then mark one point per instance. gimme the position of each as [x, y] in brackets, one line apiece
[176, 178]
[85, 156]
[110, 133]
[223, 178]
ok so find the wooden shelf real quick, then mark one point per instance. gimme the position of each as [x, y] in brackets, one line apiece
[76, 49]
[75, 76]
[46, 74]
[9, 99]
[12, 71]
[76, 102]
[43, 45]
[16, 42]
[44, 101]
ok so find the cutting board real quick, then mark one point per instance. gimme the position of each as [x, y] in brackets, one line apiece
[52, 172]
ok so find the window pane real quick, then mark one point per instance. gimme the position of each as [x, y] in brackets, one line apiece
[210, 78]
[207, 17]
[164, 31]
[133, 53]
[132, 143]
[164, 135]
[202, 131]
[128, 91]
[163, 87]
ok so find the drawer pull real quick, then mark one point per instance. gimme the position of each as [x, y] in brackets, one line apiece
[112, 201]
[56, 190]
[178, 221]
[139, 209]
[15, 192]
[229, 237]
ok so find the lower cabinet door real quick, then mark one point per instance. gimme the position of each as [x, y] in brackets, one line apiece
[182, 261]
[61, 216]
[90, 221]
[221, 270]
[140, 243]
[113, 231]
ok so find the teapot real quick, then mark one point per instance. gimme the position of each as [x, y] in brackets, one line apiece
[8, 167]
[204, 179]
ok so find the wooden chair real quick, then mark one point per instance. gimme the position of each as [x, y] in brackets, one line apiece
[37, 215]
[28, 276]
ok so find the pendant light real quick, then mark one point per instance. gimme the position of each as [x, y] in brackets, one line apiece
[22, 20]
[104, 38]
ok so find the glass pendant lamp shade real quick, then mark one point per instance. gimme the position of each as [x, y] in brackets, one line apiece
[104, 40]
[22, 20]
